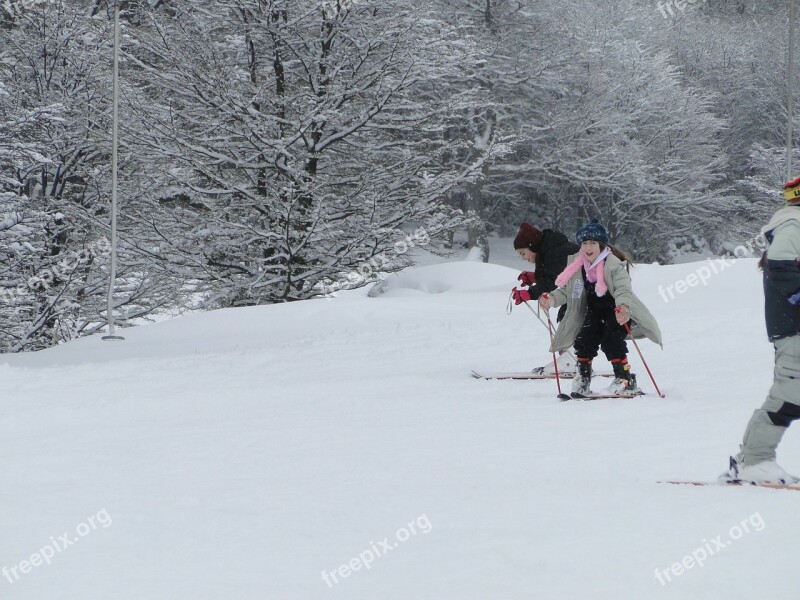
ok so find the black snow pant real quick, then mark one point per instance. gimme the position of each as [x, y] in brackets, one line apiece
[601, 330]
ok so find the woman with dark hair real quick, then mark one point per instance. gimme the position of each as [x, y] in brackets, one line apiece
[549, 251]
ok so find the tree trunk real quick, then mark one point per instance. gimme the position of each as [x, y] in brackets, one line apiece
[476, 231]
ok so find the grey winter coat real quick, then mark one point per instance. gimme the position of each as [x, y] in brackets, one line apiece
[619, 286]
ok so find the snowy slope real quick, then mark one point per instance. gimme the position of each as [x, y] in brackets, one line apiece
[242, 453]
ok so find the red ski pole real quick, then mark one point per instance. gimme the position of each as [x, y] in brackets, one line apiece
[550, 330]
[538, 316]
[628, 329]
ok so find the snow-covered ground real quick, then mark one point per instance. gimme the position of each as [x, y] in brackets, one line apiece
[339, 449]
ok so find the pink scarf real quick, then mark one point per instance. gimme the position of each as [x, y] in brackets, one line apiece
[594, 271]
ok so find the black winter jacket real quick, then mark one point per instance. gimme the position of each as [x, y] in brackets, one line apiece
[553, 254]
[782, 273]
[781, 280]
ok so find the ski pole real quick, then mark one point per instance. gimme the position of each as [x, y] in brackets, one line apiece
[550, 330]
[539, 318]
[535, 312]
[630, 333]
[549, 327]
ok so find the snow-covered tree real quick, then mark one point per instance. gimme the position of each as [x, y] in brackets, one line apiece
[37, 307]
[626, 140]
[55, 65]
[301, 139]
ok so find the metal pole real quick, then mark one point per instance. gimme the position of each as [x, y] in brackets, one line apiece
[115, 116]
[790, 91]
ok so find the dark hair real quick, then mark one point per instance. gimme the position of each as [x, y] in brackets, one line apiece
[620, 254]
[762, 262]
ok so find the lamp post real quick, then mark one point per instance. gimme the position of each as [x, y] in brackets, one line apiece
[790, 91]
[115, 101]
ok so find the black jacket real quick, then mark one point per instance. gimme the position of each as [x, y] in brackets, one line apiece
[551, 260]
[781, 280]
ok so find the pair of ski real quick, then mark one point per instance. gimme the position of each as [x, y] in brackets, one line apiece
[527, 375]
[738, 483]
[734, 470]
[562, 397]
[575, 396]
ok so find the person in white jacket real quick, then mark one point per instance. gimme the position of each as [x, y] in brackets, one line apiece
[756, 460]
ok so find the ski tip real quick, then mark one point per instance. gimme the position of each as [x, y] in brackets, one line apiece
[564, 397]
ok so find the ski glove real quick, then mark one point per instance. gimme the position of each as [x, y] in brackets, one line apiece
[520, 296]
[795, 298]
[527, 277]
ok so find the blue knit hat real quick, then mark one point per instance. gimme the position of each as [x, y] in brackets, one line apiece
[592, 231]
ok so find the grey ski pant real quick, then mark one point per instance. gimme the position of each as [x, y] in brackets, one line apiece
[769, 423]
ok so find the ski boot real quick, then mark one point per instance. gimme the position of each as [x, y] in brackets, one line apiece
[582, 382]
[624, 381]
[566, 366]
[767, 471]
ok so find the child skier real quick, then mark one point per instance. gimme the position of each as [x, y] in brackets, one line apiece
[549, 251]
[596, 288]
